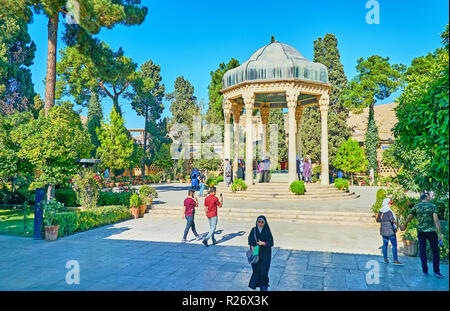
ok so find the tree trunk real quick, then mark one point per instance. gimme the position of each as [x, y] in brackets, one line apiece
[50, 81]
[50, 192]
[145, 143]
[116, 105]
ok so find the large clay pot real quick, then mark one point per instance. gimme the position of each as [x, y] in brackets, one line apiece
[135, 212]
[51, 233]
[410, 248]
[142, 209]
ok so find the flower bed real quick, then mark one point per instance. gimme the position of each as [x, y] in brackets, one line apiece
[78, 221]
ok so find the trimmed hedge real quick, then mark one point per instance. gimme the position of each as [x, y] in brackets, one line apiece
[78, 221]
[106, 198]
[67, 196]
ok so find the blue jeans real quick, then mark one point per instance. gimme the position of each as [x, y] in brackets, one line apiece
[212, 227]
[393, 240]
[202, 187]
[189, 224]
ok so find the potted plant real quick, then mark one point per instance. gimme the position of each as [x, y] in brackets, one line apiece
[146, 194]
[238, 185]
[135, 202]
[410, 245]
[50, 208]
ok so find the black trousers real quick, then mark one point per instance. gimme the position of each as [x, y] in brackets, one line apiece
[432, 237]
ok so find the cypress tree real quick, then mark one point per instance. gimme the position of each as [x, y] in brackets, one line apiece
[94, 121]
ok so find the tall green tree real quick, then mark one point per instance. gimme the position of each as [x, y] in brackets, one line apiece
[376, 80]
[422, 113]
[94, 120]
[350, 158]
[327, 53]
[116, 146]
[214, 114]
[83, 19]
[276, 116]
[95, 71]
[147, 102]
[184, 104]
[53, 143]
[338, 132]
[16, 56]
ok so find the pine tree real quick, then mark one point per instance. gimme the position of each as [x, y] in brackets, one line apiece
[376, 80]
[16, 56]
[83, 20]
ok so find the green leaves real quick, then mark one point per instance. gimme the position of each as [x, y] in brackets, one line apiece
[115, 146]
[350, 157]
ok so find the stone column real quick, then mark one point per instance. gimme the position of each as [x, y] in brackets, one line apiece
[236, 110]
[264, 111]
[227, 133]
[291, 98]
[298, 119]
[249, 101]
[323, 106]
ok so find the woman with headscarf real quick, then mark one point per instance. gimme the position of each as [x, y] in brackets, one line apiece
[307, 170]
[388, 229]
[260, 236]
[228, 172]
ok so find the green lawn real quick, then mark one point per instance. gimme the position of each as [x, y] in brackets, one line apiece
[12, 222]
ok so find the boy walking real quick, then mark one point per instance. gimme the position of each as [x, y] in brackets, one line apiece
[190, 203]
[211, 204]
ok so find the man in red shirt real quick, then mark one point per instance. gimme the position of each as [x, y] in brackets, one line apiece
[190, 203]
[211, 204]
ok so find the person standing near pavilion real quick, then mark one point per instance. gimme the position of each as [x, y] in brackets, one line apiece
[190, 203]
[211, 204]
[241, 170]
[260, 237]
[297, 166]
[428, 223]
[228, 172]
[266, 169]
[307, 170]
[388, 229]
[194, 178]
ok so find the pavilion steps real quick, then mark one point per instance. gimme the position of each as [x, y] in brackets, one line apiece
[280, 191]
[282, 215]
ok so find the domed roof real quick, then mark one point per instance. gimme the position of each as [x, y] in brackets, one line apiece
[276, 61]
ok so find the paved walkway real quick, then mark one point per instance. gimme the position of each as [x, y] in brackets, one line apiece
[145, 254]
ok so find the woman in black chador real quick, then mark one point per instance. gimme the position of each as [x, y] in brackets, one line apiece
[261, 236]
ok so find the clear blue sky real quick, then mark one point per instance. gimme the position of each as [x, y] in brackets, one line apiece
[191, 38]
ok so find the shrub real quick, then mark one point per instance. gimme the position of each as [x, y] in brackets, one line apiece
[238, 185]
[444, 250]
[67, 196]
[298, 187]
[106, 198]
[314, 178]
[77, 221]
[316, 170]
[341, 184]
[87, 185]
[146, 192]
[381, 195]
[135, 200]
